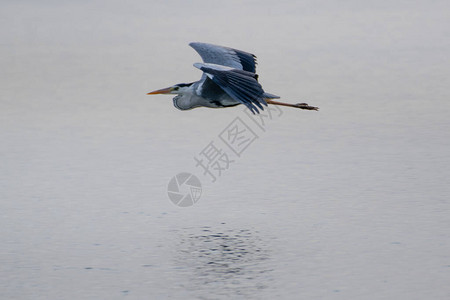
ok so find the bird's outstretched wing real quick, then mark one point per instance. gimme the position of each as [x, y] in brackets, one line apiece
[239, 84]
[225, 56]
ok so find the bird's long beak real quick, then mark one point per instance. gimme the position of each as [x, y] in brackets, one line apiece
[161, 91]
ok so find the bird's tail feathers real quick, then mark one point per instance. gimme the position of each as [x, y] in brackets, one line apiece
[270, 96]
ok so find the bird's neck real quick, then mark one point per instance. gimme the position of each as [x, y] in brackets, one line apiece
[186, 100]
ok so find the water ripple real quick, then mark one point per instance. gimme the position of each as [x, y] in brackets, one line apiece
[231, 262]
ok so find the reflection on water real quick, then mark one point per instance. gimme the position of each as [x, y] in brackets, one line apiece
[229, 262]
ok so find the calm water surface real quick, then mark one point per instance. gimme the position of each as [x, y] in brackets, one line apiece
[351, 202]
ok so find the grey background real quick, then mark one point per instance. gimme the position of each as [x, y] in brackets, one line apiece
[351, 202]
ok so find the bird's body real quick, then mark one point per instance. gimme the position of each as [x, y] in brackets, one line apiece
[203, 93]
[228, 79]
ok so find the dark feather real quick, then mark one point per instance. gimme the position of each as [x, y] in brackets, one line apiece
[240, 85]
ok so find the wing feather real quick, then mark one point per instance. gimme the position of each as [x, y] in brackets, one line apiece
[239, 84]
[225, 56]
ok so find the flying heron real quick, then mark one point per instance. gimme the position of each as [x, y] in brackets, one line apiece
[229, 79]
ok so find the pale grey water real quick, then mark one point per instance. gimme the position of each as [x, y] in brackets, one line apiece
[351, 202]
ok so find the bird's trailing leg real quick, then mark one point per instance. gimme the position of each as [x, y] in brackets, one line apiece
[298, 105]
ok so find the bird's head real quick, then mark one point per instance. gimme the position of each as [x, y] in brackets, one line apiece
[180, 88]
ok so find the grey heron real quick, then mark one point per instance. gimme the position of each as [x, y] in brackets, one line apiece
[229, 79]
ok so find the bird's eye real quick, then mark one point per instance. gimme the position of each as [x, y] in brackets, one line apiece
[176, 88]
